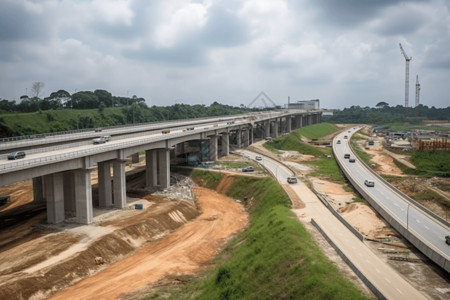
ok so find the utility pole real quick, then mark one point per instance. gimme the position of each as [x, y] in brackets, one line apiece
[407, 59]
[417, 95]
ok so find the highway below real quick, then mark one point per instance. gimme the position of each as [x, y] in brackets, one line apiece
[379, 273]
[420, 224]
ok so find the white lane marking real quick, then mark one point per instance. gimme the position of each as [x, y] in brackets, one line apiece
[399, 291]
[387, 280]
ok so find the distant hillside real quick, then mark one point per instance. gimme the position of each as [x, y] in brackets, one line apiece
[19, 124]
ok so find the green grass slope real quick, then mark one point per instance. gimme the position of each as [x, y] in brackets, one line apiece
[275, 258]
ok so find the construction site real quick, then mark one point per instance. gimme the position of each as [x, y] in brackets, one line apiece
[164, 235]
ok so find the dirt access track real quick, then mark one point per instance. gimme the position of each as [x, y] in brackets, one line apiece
[169, 237]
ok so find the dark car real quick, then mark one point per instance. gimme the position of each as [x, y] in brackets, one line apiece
[248, 169]
[16, 155]
[352, 160]
[447, 239]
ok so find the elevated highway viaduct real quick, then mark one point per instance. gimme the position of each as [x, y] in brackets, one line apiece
[61, 165]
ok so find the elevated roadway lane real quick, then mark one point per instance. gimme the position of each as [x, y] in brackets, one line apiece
[379, 273]
[424, 227]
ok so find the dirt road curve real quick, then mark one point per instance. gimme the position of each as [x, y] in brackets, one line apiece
[187, 249]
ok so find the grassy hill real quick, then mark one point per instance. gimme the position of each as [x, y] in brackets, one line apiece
[274, 258]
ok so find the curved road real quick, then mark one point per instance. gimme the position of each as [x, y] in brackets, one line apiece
[379, 273]
[415, 220]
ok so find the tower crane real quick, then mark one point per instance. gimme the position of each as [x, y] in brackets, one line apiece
[408, 59]
[417, 95]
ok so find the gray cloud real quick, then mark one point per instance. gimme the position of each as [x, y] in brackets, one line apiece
[343, 52]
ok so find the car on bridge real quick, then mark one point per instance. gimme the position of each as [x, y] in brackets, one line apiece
[16, 155]
[369, 183]
[99, 140]
[447, 239]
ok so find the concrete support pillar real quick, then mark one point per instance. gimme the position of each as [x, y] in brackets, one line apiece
[119, 184]
[135, 158]
[246, 138]
[288, 124]
[225, 144]
[69, 191]
[238, 138]
[251, 135]
[54, 194]
[83, 196]
[275, 128]
[104, 184]
[213, 142]
[38, 189]
[151, 168]
[164, 167]
[266, 129]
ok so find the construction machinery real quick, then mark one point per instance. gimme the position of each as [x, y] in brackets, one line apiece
[407, 59]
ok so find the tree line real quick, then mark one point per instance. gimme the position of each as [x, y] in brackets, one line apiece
[64, 100]
[382, 113]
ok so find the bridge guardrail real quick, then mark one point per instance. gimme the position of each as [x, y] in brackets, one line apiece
[393, 221]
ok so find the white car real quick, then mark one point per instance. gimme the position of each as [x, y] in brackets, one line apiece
[100, 140]
[257, 157]
[292, 179]
[369, 182]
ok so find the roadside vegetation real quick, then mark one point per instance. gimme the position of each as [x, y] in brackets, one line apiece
[325, 165]
[274, 258]
[16, 123]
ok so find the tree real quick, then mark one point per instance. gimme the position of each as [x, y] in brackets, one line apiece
[37, 88]
[104, 97]
[60, 98]
[382, 104]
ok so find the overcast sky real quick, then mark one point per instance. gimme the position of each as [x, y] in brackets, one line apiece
[342, 52]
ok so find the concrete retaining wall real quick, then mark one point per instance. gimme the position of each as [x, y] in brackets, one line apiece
[361, 276]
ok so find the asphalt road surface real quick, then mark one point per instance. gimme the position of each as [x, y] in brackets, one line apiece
[386, 279]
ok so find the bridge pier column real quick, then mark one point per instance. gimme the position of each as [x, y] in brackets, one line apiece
[288, 124]
[225, 138]
[151, 168]
[213, 147]
[54, 194]
[38, 189]
[250, 137]
[266, 129]
[238, 138]
[69, 192]
[83, 196]
[135, 158]
[119, 184]
[104, 184]
[275, 129]
[164, 167]
[246, 138]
